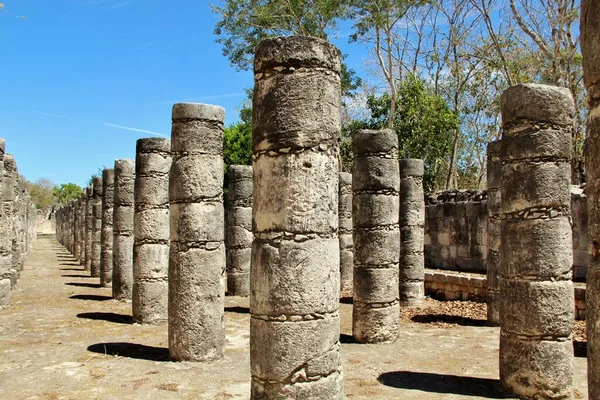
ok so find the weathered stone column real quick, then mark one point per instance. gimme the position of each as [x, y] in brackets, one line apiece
[197, 255]
[376, 209]
[151, 230]
[81, 228]
[96, 227]
[122, 274]
[5, 247]
[590, 49]
[106, 251]
[239, 230]
[536, 292]
[89, 227]
[345, 234]
[10, 166]
[412, 232]
[294, 298]
[76, 238]
[494, 202]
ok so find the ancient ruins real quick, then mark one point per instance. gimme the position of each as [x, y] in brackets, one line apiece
[293, 237]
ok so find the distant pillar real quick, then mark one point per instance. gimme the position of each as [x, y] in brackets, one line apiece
[122, 278]
[590, 49]
[294, 299]
[494, 204]
[239, 230]
[96, 227]
[106, 252]
[197, 255]
[5, 247]
[376, 205]
[412, 232]
[345, 234]
[151, 230]
[536, 291]
[10, 166]
[89, 227]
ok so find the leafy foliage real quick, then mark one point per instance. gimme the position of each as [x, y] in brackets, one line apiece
[66, 192]
[237, 146]
[41, 192]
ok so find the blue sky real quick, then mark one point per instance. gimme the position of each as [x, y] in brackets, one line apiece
[81, 80]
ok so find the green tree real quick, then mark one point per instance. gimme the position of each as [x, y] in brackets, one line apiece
[424, 123]
[237, 146]
[41, 192]
[66, 192]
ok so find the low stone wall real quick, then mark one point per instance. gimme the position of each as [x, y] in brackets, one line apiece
[456, 236]
[46, 223]
[442, 285]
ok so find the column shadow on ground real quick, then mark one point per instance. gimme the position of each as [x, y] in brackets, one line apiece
[69, 269]
[580, 348]
[107, 316]
[440, 383]
[83, 284]
[131, 350]
[449, 319]
[76, 276]
[344, 338]
[92, 297]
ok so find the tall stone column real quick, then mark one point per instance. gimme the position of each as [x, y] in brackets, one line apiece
[96, 227]
[494, 203]
[81, 228]
[239, 230]
[197, 254]
[10, 166]
[122, 274]
[345, 234]
[151, 230]
[106, 251]
[89, 227]
[5, 248]
[590, 49]
[536, 254]
[376, 209]
[412, 232]
[76, 237]
[294, 298]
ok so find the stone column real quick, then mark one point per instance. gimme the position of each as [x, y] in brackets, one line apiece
[590, 48]
[76, 238]
[294, 298]
[345, 234]
[96, 226]
[5, 248]
[10, 166]
[151, 230]
[122, 274]
[412, 232]
[89, 227]
[197, 254]
[106, 251]
[376, 208]
[81, 228]
[494, 202]
[239, 230]
[536, 292]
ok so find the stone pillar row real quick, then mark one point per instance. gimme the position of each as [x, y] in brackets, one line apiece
[18, 218]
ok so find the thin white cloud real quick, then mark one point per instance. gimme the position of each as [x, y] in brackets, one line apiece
[128, 128]
[53, 115]
[205, 98]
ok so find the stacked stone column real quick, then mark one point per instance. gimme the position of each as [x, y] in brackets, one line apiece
[412, 233]
[96, 227]
[123, 241]
[239, 230]
[197, 254]
[10, 166]
[106, 251]
[590, 49]
[345, 234]
[494, 202]
[294, 299]
[5, 246]
[81, 228]
[151, 230]
[536, 292]
[376, 207]
[89, 226]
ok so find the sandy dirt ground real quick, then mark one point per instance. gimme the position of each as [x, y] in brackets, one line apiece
[64, 338]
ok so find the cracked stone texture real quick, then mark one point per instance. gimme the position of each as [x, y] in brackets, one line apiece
[151, 231]
[536, 306]
[106, 251]
[97, 226]
[89, 226]
[494, 203]
[123, 240]
[197, 253]
[345, 234]
[375, 218]
[294, 326]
